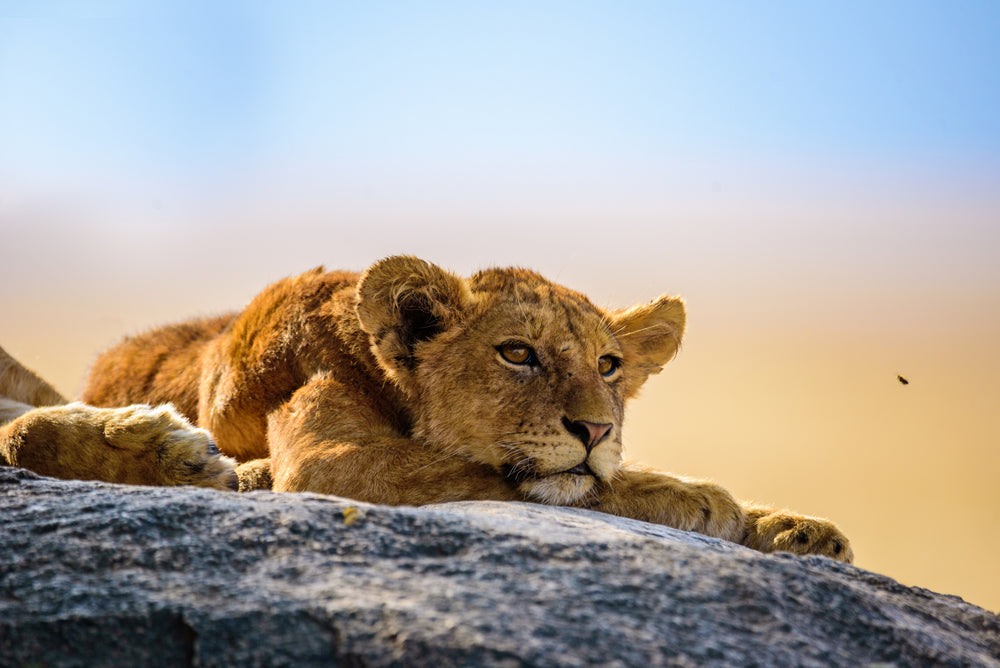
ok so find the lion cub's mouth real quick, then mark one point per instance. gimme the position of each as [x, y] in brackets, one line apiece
[519, 475]
[580, 469]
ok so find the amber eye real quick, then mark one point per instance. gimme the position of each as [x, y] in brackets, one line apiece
[607, 365]
[518, 353]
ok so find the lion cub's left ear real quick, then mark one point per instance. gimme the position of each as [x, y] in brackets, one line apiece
[649, 336]
[403, 301]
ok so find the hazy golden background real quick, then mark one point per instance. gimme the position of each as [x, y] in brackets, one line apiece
[824, 190]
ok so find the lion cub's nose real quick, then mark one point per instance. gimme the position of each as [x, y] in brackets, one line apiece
[589, 433]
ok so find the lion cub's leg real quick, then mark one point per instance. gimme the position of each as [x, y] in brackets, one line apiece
[770, 530]
[701, 506]
[690, 505]
[139, 445]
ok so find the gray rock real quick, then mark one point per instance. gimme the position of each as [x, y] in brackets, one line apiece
[93, 574]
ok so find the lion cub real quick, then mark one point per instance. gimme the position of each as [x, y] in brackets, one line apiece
[411, 385]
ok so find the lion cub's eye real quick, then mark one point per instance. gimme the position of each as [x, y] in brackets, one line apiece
[518, 353]
[607, 365]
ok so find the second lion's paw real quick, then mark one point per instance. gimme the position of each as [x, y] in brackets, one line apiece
[185, 454]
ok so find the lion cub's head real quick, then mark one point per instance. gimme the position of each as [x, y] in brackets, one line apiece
[513, 371]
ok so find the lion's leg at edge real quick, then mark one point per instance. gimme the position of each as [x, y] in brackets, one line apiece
[20, 384]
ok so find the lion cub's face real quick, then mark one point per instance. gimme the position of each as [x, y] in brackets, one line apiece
[512, 371]
[533, 385]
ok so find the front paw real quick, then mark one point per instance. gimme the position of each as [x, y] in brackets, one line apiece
[771, 530]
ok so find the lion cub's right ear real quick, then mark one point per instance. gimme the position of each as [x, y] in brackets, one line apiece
[403, 301]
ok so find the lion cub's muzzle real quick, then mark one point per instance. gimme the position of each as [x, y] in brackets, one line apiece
[589, 433]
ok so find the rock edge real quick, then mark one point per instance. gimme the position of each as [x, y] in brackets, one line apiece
[99, 574]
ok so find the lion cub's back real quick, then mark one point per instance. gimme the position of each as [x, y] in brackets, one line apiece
[159, 366]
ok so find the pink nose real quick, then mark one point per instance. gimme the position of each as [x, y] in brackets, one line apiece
[589, 433]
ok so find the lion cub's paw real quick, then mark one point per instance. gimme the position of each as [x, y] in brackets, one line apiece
[185, 454]
[771, 530]
[255, 474]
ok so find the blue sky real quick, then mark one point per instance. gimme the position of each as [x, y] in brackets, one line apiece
[168, 89]
[856, 142]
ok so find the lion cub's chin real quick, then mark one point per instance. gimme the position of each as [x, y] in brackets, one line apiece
[559, 489]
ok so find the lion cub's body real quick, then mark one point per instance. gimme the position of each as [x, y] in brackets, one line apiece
[410, 385]
[229, 373]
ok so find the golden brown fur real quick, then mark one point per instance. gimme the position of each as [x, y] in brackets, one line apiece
[411, 385]
[136, 444]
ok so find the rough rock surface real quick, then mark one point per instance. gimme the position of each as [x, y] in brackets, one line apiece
[96, 574]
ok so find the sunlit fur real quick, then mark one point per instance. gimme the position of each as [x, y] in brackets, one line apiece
[516, 421]
[136, 444]
[392, 387]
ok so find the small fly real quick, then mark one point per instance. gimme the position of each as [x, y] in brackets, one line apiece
[903, 380]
